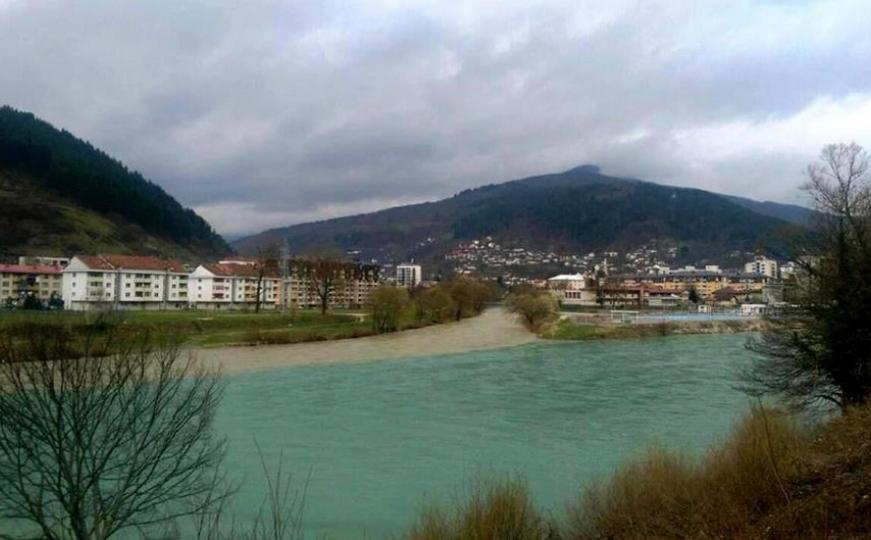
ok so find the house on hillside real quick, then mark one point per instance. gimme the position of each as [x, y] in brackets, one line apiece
[124, 282]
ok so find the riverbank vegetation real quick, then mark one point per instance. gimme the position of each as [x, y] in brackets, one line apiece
[773, 477]
[206, 328]
[566, 329]
[119, 441]
[819, 348]
[496, 508]
[535, 307]
[392, 309]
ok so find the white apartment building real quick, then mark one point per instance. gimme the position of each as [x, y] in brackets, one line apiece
[762, 265]
[408, 275]
[233, 285]
[567, 288]
[124, 282]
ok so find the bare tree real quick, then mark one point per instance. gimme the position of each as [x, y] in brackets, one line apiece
[102, 432]
[820, 348]
[267, 265]
[326, 273]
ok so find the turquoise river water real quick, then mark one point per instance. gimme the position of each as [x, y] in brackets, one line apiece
[378, 439]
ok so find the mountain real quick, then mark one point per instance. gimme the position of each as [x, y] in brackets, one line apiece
[60, 195]
[792, 213]
[580, 210]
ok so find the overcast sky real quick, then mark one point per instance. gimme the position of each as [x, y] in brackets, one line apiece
[265, 113]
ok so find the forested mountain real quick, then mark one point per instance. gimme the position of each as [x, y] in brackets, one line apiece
[797, 215]
[580, 210]
[59, 193]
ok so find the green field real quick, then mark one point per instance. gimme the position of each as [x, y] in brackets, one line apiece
[211, 329]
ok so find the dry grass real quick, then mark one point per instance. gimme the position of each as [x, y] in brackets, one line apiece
[493, 510]
[830, 495]
[772, 478]
[667, 495]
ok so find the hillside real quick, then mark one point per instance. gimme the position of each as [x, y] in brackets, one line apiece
[580, 209]
[60, 195]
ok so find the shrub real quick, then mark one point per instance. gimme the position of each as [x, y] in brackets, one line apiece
[433, 305]
[495, 509]
[386, 305]
[469, 296]
[534, 308]
[667, 495]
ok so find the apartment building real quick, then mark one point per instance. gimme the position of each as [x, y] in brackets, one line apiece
[705, 282]
[60, 262]
[351, 284]
[40, 281]
[408, 275]
[620, 296]
[762, 265]
[233, 284]
[124, 282]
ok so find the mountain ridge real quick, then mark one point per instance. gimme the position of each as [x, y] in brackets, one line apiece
[60, 195]
[578, 209]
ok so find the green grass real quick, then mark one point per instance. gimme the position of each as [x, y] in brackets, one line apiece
[211, 329]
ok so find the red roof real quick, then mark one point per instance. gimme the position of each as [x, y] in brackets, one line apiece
[232, 269]
[130, 262]
[30, 269]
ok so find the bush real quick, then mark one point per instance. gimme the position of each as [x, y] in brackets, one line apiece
[535, 308]
[386, 306]
[433, 305]
[469, 296]
[499, 509]
[667, 495]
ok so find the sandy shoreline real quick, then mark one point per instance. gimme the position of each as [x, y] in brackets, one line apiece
[493, 329]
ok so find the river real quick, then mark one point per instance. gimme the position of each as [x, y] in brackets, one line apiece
[378, 438]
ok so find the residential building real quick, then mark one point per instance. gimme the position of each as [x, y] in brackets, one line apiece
[124, 282]
[408, 275]
[40, 281]
[566, 288]
[570, 282]
[788, 270]
[705, 282]
[620, 296]
[233, 284]
[762, 265]
[47, 261]
[351, 284]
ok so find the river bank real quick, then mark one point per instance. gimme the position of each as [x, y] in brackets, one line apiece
[567, 329]
[492, 329]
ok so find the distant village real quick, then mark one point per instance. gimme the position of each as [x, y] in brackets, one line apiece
[642, 278]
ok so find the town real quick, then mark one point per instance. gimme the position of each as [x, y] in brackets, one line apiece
[88, 282]
[643, 279]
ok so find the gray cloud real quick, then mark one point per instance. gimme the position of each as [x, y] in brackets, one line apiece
[266, 113]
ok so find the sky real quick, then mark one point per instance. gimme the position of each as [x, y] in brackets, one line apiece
[266, 113]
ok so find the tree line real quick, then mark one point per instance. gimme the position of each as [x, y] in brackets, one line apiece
[74, 169]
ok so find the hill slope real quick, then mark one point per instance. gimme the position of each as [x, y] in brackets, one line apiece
[60, 195]
[580, 209]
